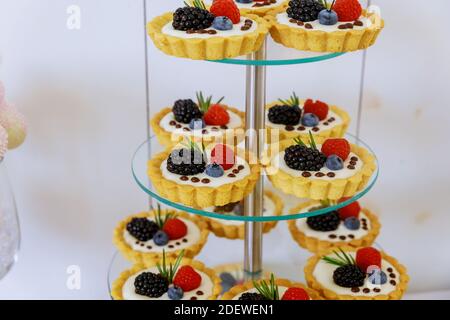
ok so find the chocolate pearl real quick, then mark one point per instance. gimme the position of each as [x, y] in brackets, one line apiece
[177, 243]
[365, 220]
[308, 26]
[202, 31]
[172, 123]
[325, 123]
[248, 21]
[245, 28]
[301, 128]
[351, 236]
[353, 163]
[184, 178]
[137, 242]
[392, 282]
[331, 174]
[171, 246]
[342, 237]
[224, 127]
[289, 128]
[195, 179]
[355, 289]
[199, 293]
[241, 167]
[358, 23]
[351, 167]
[332, 119]
[377, 290]
[235, 171]
[178, 126]
[391, 275]
[300, 23]
[204, 131]
[342, 26]
[184, 240]
[306, 174]
[365, 228]
[315, 129]
[231, 175]
[193, 298]
[389, 270]
[332, 236]
[149, 247]
[206, 181]
[142, 244]
[319, 174]
[212, 31]
[190, 31]
[186, 129]
[273, 1]
[354, 159]
[366, 290]
[292, 20]
[215, 129]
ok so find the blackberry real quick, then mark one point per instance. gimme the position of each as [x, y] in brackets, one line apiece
[151, 285]
[252, 297]
[304, 10]
[324, 222]
[142, 228]
[191, 18]
[186, 162]
[349, 276]
[186, 110]
[302, 158]
[284, 114]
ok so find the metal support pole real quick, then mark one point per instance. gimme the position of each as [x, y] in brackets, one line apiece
[254, 142]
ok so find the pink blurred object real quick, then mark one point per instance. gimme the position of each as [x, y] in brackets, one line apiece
[14, 124]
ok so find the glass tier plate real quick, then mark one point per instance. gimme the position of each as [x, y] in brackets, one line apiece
[151, 147]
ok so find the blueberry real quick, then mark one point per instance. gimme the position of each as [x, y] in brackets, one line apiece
[197, 124]
[228, 278]
[160, 238]
[214, 170]
[328, 17]
[334, 163]
[310, 120]
[377, 277]
[352, 223]
[222, 23]
[175, 293]
[244, 1]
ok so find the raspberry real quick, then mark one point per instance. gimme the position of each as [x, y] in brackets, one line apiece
[348, 10]
[366, 257]
[223, 155]
[339, 147]
[295, 294]
[175, 228]
[187, 279]
[216, 116]
[351, 210]
[226, 8]
[319, 108]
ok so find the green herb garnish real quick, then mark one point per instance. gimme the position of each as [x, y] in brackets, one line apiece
[169, 272]
[268, 290]
[293, 101]
[203, 103]
[342, 259]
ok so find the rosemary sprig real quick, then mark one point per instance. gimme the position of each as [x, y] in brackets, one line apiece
[268, 290]
[203, 103]
[196, 3]
[292, 101]
[325, 4]
[192, 145]
[312, 142]
[343, 259]
[169, 272]
[299, 141]
[160, 220]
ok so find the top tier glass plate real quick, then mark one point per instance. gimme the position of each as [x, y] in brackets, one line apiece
[151, 147]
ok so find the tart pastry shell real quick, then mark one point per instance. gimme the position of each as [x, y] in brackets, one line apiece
[316, 245]
[232, 232]
[264, 10]
[169, 139]
[321, 189]
[320, 41]
[137, 256]
[201, 197]
[337, 131]
[116, 291]
[239, 289]
[213, 48]
[328, 294]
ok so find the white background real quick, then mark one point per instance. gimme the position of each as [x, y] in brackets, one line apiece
[83, 93]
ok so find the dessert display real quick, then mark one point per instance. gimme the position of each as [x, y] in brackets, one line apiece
[350, 226]
[216, 33]
[167, 279]
[331, 170]
[202, 177]
[259, 7]
[271, 289]
[316, 25]
[294, 117]
[204, 120]
[147, 235]
[348, 273]
[235, 229]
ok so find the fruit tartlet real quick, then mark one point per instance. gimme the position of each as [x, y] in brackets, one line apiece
[314, 25]
[259, 7]
[148, 234]
[198, 33]
[202, 120]
[271, 289]
[202, 177]
[293, 117]
[349, 226]
[328, 171]
[167, 279]
[234, 229]
[356, 274]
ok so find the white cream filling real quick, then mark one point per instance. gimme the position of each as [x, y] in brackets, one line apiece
[323, 272]
[278, 162]
[340, 231]
[206, 286]
[236, 31]
[251, 4]
[269, 210]
[213, 182]
[321, 126]
[235, 122]
[192, 237]
[283, 18]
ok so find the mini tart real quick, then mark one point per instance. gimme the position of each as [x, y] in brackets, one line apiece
[212, 48]
[322, 41]
[400, 287]
[322, 189]
[201, 196]
[250, 8]
[190, 249]
[166, 138]
[316, 245]
[335, 131]
[235, 292]
[236, 230]
[117, 291]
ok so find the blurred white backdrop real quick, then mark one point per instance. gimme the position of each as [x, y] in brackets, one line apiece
[83, 93]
